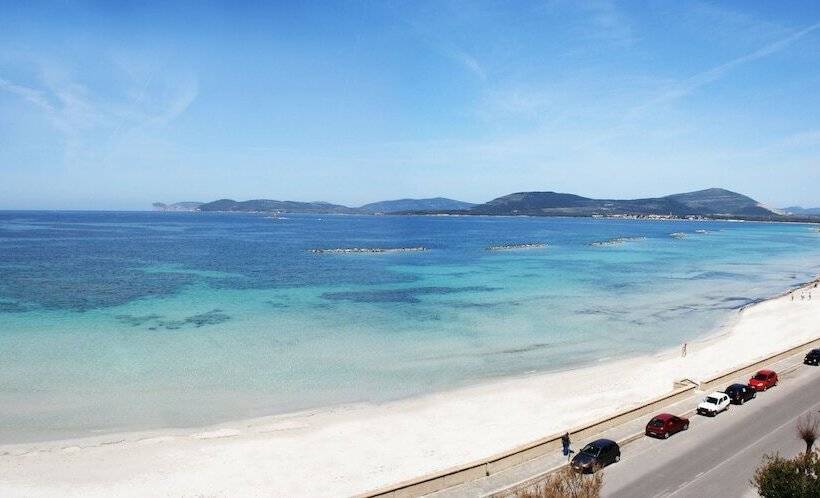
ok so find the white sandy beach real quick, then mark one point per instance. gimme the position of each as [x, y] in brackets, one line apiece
[352, 449]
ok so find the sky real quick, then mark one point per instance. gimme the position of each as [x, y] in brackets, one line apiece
[115, 105]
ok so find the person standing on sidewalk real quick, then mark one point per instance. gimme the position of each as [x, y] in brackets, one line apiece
[565, 444]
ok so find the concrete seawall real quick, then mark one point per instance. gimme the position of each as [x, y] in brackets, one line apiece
[475, 470]
[720, 379]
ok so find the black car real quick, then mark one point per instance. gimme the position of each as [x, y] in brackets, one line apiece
[813, 358]
[740, 393]
[596, 455]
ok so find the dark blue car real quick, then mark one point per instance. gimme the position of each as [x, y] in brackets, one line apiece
[740, 393]
[596, 455]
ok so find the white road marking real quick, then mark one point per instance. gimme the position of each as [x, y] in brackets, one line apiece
[735, 455]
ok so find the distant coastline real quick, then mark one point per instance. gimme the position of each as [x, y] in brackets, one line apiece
[709, 204]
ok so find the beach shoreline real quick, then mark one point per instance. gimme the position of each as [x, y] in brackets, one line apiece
[350, 449]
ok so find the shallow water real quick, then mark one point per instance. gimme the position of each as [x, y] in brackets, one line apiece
[116, 321]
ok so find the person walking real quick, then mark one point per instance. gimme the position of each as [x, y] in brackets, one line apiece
[683, 351]
[565, 444]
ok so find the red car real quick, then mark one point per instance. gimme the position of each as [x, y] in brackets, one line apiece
[665, 424]
[763, 380]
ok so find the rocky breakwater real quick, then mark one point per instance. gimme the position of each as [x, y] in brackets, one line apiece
[367, 250]
[614, 242]
[514, 247]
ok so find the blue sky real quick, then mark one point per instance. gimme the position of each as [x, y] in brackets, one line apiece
[114, 105]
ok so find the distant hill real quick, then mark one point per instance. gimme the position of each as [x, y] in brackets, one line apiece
[268, 205]
[721, 201]
[714, 202]
[711, 203]
[399, 205]
[799, 211]
[177, 206]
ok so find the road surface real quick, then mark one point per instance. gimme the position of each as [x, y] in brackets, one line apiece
[718, 456]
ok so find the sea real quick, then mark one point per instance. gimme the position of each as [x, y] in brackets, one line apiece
[120, 321]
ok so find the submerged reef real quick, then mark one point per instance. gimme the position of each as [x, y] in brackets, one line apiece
[408, 295]
[156, 322]
[137, 320]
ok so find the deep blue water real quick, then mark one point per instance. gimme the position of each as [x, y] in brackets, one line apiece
[113, 320]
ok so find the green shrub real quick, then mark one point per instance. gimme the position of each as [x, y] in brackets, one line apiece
[797, 477]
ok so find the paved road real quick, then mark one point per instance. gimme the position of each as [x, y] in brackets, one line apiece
[717, 457]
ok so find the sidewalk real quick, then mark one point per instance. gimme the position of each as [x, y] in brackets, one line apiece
[505, 482]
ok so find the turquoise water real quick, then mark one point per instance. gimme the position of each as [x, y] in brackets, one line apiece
[119, 321]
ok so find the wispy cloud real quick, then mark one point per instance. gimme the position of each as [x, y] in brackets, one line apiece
[793, 144]
[464, 59]
[669, 92]
[723, 25]
[30, 95]
[92, 122]
[592, 24]
[683, 88]
[446, 47]
[607, 22]
[810, 138]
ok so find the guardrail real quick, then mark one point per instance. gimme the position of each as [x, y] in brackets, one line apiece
[461, 474]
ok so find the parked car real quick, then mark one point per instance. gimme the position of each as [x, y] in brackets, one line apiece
[596, 455]
[812, 358]
[713, 404]
[740, 393]
[763, 380]
[665, 424]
